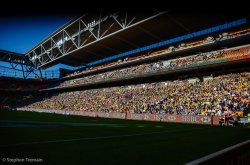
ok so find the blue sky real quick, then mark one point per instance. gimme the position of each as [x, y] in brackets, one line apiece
[21, 33]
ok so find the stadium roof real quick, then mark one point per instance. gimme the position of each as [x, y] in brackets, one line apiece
[93, 37]
[13, 57]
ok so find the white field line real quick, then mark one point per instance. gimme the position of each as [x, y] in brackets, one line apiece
[218, 153]
[100, 137]
[16, 123]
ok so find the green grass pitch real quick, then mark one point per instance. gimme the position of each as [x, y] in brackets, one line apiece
[65, 139]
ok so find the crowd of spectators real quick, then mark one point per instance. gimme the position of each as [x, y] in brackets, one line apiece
[229, 93]
[181, 46]
[161, 65]
[10, 84]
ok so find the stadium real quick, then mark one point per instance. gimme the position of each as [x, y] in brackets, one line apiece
[155, 87]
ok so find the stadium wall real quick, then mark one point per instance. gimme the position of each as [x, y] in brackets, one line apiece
[193, 119]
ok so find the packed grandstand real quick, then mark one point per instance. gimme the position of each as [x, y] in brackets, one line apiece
[203, 76]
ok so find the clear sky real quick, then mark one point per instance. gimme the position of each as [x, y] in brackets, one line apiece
[21, 33]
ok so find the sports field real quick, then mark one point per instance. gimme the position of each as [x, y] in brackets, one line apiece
[61, 139]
